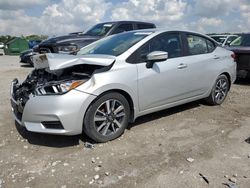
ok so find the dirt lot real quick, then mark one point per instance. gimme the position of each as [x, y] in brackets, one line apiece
[153, 152]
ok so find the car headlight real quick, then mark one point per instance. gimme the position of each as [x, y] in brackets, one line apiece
[31, 54]
[58, 88]
[67, 49]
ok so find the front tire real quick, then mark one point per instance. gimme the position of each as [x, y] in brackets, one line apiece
[219, 91]
[107, 118]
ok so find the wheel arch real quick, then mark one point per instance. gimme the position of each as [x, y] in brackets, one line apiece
[122, 92]
[228, 77]
[129, 99]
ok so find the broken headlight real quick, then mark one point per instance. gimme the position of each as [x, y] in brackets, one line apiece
[58, 88]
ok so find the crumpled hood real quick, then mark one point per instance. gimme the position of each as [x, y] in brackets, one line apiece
[61, 61]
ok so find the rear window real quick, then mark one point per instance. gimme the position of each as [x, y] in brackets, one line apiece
[231, 39]
[219, 39]
[199, 45]
[243, 40]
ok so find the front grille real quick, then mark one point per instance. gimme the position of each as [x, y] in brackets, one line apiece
[52, 124]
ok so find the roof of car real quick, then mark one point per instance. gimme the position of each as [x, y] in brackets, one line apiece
[221, 35]
[160, 30]
[127, 21]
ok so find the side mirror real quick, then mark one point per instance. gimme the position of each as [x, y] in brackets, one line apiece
[155, 56]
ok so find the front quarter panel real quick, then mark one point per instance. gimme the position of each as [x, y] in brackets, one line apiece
[122, 76]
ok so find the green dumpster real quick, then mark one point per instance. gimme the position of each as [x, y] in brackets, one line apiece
[16, 46]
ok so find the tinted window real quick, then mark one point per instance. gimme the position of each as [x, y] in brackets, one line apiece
[122, 28]
[243, 40]
[230, 39]
[114, 45]
[219, 39]
[236, 42]
[145, 26]
[166, 42]
[197, 45]
[99, 29]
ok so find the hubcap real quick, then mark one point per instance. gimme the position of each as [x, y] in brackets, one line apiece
[221, 89]
[109, 117]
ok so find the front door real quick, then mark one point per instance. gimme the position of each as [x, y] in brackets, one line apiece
[167, 81]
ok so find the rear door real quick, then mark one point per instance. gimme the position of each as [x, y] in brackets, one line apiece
[202, 60]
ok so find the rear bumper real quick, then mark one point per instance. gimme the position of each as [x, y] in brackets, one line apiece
[234, 74]
[67, 109]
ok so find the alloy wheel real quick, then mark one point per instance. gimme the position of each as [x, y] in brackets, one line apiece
[221, 89]
[109, 117]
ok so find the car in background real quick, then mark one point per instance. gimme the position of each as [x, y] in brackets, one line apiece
[224, 40]
[34, 42]
[111, 82]
[73, 42]
[26, 56]
[1, 45]
[241, 48]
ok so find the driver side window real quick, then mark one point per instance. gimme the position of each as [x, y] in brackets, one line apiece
[167, 42]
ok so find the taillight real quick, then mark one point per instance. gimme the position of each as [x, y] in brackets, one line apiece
[234, 56]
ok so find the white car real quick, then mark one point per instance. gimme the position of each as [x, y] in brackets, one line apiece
[1, 45]
[112, 81]
[224, 40]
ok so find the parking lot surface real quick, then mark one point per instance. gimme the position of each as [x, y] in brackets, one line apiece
[193, 145]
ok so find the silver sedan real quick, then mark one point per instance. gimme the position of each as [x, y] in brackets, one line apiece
[113, 81]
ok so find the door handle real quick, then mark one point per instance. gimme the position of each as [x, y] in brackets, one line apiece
[216, 57]
[182, 66]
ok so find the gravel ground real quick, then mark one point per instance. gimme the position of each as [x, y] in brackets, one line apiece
[172, 148]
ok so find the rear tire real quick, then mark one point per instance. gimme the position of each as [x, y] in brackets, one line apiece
[219, 91]
[107, 118]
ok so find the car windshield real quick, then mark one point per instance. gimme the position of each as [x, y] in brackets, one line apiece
[114, 45]
[243, 40]
[219, 39]
[99, 29]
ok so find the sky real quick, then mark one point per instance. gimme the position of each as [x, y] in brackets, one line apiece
[57, 17]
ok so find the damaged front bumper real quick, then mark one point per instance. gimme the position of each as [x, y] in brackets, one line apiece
[15, 105]
[53, 114]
